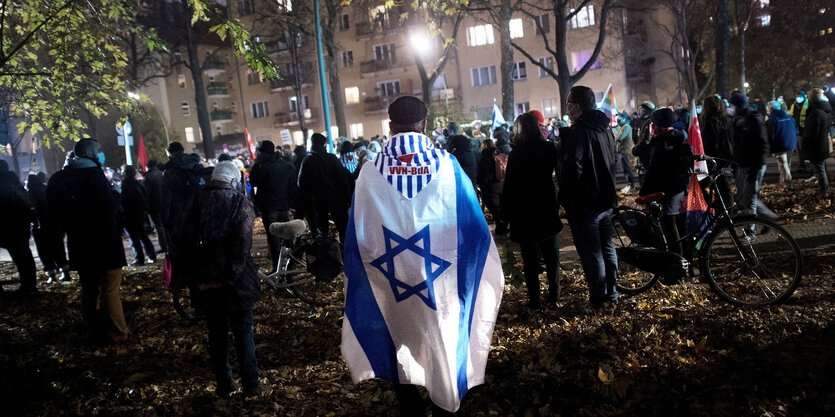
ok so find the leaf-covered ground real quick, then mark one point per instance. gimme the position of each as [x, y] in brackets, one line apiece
[672, 351]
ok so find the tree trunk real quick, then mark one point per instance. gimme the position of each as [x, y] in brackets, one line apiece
[292, 36]
[723, 39]
[333, 68]
[199, 90]
[742, 60]
[561, 58]
[507, 63]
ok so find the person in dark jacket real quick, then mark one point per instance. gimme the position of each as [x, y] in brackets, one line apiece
[782, 139]
[327, 187]
[641, 137]
[135, 212]
[750, 153]
[460, 147]
[587, 192]
[17, 214]
[491, 186]
[529, 204]
[215, 237]
[87, 209]
[183, 174]
[271, 175]
[717, 138]
[48, 239]
[817, 141]
[623, 151]
[153, 183]
[668, 172]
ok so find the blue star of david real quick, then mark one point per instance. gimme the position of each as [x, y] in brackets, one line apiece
[385, 264]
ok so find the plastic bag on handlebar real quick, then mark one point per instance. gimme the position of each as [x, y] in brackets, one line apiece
[324, 258]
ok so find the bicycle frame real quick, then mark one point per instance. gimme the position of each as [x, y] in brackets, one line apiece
[277, 280]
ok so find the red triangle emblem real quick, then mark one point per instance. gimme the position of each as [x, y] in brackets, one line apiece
[407, 159]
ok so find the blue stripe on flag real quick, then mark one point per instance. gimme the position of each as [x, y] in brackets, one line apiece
[400, 183]
[409, 191]
[364, 314]
[419, 183]
[472, 229]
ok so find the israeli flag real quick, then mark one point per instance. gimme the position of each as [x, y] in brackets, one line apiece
[424, 278]
[498, 119]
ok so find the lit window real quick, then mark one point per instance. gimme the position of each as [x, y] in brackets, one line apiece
[549, 107]
[548, 62]
[523, 107]
[356, 130]
[190, 134]
[293, 103]
[480, 35]
[181, 80]
[483, 75]
[287, 5]
[352, 95]
[583, 18]
[519, 71]
[186, 110]
[516, 29]
[578, 59]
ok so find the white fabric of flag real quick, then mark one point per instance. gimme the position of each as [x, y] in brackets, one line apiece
[498, 119]
[424, 278]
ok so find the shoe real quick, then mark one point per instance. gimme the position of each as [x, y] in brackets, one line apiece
[224, 389]
[151, 261]
[250, 392]
[64, 274]
[552, 300]
[137, 263]
[607, 307]
[50, 276]
[811, 179]
[626, 189]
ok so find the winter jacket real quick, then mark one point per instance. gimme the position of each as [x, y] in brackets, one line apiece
[134, 202]
[817, 143]
[16, 210]
[717, 138]
[153, 183]
[670, 160]
[271, 175]
[798, 112]
[213, 242]
[37, 196]
[641, 137]
[750, 139]
[587, 178]
[529, 201]
[182, 177]
[460, 146]
[324, 184]
[87, 208]
[491, 188]
[782, 133]
[624, 143]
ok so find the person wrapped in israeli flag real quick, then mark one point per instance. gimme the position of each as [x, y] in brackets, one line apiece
[424, 277]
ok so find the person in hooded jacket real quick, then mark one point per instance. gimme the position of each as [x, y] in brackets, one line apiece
[587, 192]
[87, 209]
[135, 211]
[782, 139]
[623, 150]
[17, 213]
[326, 188]
[459, 146]
[272, 176]
[529, 203]
[717, 137]
[750, 153]
[48, 239]
[215, 238]
[817, 141]
[153, 183]
[641, 137]
[183, 175]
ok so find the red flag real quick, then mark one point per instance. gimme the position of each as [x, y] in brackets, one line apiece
[694, 139]
[142, 157]
[249, 143]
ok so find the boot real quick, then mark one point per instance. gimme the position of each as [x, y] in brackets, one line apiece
[50, 276]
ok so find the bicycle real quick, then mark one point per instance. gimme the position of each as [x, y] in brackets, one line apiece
[745, 259]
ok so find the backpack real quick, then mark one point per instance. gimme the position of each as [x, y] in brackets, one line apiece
[500, 161]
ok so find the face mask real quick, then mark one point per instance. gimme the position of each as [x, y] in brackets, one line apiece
[101, 158]
[731, 111]
[800, 99]
[698, 109]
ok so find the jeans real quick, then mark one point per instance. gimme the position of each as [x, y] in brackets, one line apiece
[162, 234]
[22, 257]
[784, 166]
[748, 180]
[138, 239]
[219, 322]
[592, 232]
[101, 303]
[50, 244]
[819, 169]
[624, 161]
[274, 242]
[530, 261]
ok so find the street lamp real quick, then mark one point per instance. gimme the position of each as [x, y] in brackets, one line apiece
[420, 43]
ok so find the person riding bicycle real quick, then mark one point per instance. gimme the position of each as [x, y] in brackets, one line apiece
[669, 160]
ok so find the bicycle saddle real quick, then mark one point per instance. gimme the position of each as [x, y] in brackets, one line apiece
[288, 230]
[643, 200]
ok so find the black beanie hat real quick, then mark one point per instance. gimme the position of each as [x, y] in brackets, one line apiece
[266, 146]
[662, 117]
[407, 110]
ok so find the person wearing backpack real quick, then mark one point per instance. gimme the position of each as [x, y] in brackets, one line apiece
[492, 165]
[782, 135]
[183, 175]
[668, 171]
[529, 203]
[214, 238]
[750, 153]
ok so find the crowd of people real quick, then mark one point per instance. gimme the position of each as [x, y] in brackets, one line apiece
[203, 215]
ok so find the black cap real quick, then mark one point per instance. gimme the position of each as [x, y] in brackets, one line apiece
[662, 117]
[739, 99]
[318, 139]
[266, 146]
[175, 147]
[407, 110]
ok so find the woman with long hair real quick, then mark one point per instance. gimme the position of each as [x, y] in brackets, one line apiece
[529, 203]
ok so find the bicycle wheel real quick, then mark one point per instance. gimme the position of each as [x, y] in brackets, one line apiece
[630, 280]
[298, 281]
[752, 262]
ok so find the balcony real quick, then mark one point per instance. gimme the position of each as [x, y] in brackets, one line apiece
[379, 27]
[218, 90]
[292, 118]
[221, 116]
[289, 82]
[369, 68]
[213, 68]
[375, 104]
[447, 95]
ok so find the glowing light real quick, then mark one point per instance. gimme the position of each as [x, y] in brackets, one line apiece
[420, 43]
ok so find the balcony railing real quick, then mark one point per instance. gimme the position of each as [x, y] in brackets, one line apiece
[373, 28]
[283, 119]
[221, 115]
[376, 65]
[214, 65]
[289, 81]
[217, 89]
[378, 103]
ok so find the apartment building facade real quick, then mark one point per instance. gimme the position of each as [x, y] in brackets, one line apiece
[376, 65]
